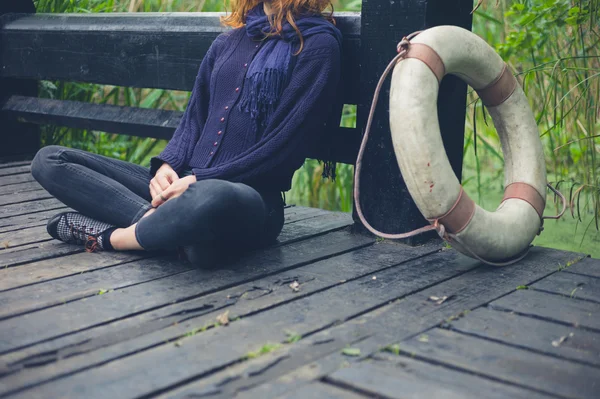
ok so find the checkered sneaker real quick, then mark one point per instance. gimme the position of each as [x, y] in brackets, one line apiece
[75, 228]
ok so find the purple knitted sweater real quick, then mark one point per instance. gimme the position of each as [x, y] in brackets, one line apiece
[216, 140]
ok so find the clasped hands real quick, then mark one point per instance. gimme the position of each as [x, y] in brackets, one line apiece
[167, 185]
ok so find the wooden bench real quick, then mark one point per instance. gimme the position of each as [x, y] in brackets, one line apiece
[163, 51]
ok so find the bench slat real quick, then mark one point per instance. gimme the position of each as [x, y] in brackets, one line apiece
[142, 122]
[148, 50]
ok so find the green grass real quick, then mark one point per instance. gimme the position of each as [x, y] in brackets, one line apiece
[265, 349]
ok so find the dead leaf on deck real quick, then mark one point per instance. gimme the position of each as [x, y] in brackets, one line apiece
[438, 300]
[295, 286]
[557, 342]
[6, 244]
[223, 318]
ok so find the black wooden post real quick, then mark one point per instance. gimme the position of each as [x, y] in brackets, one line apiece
[385, 200]
[19, 140]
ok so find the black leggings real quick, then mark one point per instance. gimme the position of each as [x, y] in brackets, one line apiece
[212, 214]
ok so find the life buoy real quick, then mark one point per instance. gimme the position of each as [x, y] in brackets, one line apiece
[495, 237]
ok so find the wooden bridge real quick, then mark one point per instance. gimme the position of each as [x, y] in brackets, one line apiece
[325, 313]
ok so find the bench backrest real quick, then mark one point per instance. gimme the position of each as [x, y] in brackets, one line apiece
[160, 51]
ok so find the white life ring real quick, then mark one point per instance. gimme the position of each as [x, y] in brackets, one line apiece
[492, 236]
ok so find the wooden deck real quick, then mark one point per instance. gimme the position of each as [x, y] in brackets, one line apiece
[368, 319]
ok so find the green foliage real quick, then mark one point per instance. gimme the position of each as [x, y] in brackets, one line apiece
[265, 349]
[351, 352]
[552, 46]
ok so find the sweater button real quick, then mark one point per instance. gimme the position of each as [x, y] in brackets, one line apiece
[215, 144]
[212, 153]
[219, 132]
[222, 119]
[245, 65]
[237, 89]
[257, 46]
[227, 107]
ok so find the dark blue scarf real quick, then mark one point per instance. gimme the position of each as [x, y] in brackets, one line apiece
[269, 71]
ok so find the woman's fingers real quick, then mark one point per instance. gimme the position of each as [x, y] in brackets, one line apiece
[156, 187]
[153, 192]
[163, 182]
[172, 176]
[161, 197]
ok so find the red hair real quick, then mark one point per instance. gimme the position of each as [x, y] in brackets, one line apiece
[282, 10]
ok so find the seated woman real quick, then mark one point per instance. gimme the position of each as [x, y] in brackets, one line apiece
[261, 97]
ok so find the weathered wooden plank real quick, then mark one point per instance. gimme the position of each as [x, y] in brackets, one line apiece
[15, 179]
[326, 222]
[50, 249]
[392, 323]
[76, 315]
[18, 188]
[19, 141]
[12, 164]
[26, 196]
[30, 235]
[145, 122]
[52, 293]
[139, 50]
[50, 269]
[176, 320]
[316, 225]
[392, 376]
[221, 346]
[571, 285]
[589, 267]
[543, 373]
[16, 170]
[315, 390]
[63, 290]
[323, 391]
[29, 207]
[551, 307]
[297, 213]
[28, 220]
[549, 338]
[24, 254]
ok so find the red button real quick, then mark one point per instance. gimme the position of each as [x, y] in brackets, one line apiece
[237, 89]
[227, 107]
[219, 132]
[222, 119]
[215, 144]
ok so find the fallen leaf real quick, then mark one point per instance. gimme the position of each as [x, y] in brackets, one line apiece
[177, 343]
[223, 318]
[6, 244]
[351, 351]
[557, 342]
[438, 300]
[295, 286]
[423, 338]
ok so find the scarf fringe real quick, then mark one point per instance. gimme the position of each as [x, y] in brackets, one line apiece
[329, 169]
[261, 93]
